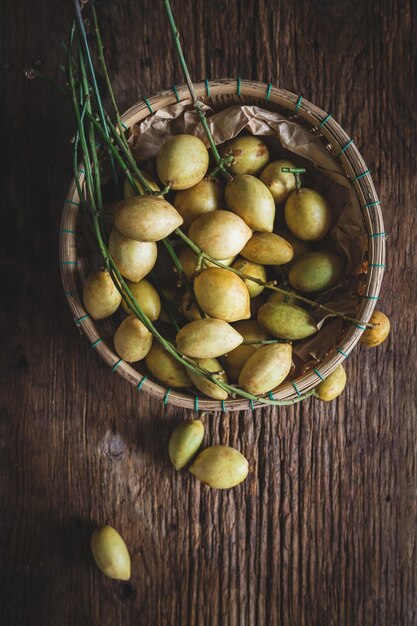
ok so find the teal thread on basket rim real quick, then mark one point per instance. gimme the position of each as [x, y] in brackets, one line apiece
[69, 262]
[166, 396]
[97, 341]
[81, 319]
[271, 395]
[67, 231]
[376, 264]
[68, 201]
[147, 104]
[349, 143]
[298, 103]
[342, 353]
[361, 175]
[368, 206]
[177, 95]
[81, 170]
[139, 387]
[371, 297]
[124, 126]
[296, 388]
[238, 85]
[360, 326]
[268, 92]
[251, 404]
[316, 371]
[377, 235]
[116, 365]
[196, 403]
[70, 292]
[326, 119]
[207, 87]
[223, 406]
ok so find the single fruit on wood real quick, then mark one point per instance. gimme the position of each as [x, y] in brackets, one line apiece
[286, 321]
[182, 161]
[279, 183]
[249, 198]
[307, 214]
[146, 218]
[267, 249]
[221, 234]
[132, 340]
[166, 368]
[134, 259]
[189, 262]
[204, 197]
[100, 295]
[222, 294]
[185, 442]
[130, 192]
[266, 368]
[374, 336]
[220, 467]
[251, 269]
[250, 154]
[333, 386]
[208, 338]
[236, 359]
[316, 271]
[207, 387]
[147, 298]
[110, 553]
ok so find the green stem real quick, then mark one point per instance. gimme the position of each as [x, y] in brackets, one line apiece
[181, 274]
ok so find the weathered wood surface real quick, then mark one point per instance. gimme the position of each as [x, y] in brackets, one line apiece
[323, 532]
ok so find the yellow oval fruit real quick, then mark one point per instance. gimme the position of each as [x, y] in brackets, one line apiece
[207, 387]
[236, 359]
[203, 198]
[182, 161]
[100, 295]
[220, 467]
[146, 218]
[307, 214]
[267, 249]
[185, 442]
[299, 247]
[132, 340]
[250, 154]
[266, 368]
[189, 262]
[222, 294]
[251, 269]
[279, 183]
[110, 553]
[249, 198]
[130, 192]
[134, 259]
[286, 321]
[221, 234]
[374, 336]
[208, 338]
[333, 386]
[189, 309]
[147, 298]
[165, 367]
[316, 271]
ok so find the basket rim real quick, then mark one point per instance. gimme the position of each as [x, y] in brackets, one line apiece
[354, 167]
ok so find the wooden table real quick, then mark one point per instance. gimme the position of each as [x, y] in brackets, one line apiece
[323, 532]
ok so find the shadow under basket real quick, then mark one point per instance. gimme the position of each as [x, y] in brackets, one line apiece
[231, 92]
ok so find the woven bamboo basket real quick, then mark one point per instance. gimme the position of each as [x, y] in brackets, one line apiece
[74, 258]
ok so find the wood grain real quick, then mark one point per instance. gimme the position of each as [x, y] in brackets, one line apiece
[323, 532]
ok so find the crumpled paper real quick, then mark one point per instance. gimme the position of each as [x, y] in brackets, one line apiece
[286, 138]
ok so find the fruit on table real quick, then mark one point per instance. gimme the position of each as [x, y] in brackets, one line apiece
[374, 336]
[251, 269]
[316, 271]
[286, 321]
[266, 368]
[166, 368]
[307, 214]
[279, 183]
[110, 553]
[100, 295]
[134, 259]
[132, 340]
[267, 249]
[221, 234]
[250, 154]
[189, 260]
[182, 161]
[185, 442]
[147, 298]
[220, 467]
[146, 218]
[208, 338]
[207, 387]
[236, 359]
[222, 294]
[333, 386]
[130, 192]
[249, 198]
[204, 197]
